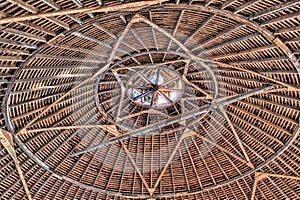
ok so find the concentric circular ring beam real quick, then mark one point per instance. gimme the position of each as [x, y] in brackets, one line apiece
[74, 92]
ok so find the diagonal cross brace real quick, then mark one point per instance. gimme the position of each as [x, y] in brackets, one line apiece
[184, 116]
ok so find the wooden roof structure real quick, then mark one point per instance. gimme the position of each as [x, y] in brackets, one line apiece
[69, 130]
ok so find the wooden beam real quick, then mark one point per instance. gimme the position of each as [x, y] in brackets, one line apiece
[184, 116]
[122, 95]
[288, 53]
[249, 164]
[12, 58]
[259, 176]
[140, 18]
[273, 9]
[64, 128]
[236, 137]
[208, 2]
[264, 60]
[55, 6]
[46, 78]
[92, 39]
[290, 87]
[34, 10]
[97, 9]
[280, 18]
[43, 56]
[240, 53]
[218, 35]
[228, 3]
[23, 34]
[31, 25]
[208, 96]
[7, 141]
[105, 31]
[287, 30]
[14, 51]
[154, 65]
[237, 40]
[175, 29]
[202, 25]
[17, 43]
[245, 5]
[121, 37]
[80, 5]
[254, 186]
[113, 130]
[183, 136]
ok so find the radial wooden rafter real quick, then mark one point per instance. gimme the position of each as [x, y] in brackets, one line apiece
[134, 6]
[186, 115]
[236, 135]
[7, 141]
[259, 176]
[288, 42]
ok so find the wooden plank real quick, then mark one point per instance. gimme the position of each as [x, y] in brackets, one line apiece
[265, 60]
[37, 27]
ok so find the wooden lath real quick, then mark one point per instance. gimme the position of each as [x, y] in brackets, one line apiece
[236, 137]
[186, 115]
[259, 176]
[57, 7]
[99, 9]
[34, 10]
[274, 9]
[277, 151]
[7, 141]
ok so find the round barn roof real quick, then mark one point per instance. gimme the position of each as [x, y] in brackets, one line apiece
[154, 99]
